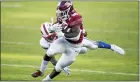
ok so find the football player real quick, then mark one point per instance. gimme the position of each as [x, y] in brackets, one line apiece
[69, 45]
[49, 34]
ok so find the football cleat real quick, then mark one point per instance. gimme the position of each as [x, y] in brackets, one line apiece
[66, 70]
[37, 74]
[117, 49]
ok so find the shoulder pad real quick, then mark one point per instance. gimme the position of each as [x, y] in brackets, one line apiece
[75, 19]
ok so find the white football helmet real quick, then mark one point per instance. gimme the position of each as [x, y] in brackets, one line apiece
[48, 28]
[45, 28]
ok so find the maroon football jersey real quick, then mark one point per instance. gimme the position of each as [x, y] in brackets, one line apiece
[75, 19]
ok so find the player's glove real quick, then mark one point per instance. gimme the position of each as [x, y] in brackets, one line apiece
[55, 27]
[85, 34]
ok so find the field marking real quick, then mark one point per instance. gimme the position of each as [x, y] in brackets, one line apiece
[88, 30]
[20, 43]
[111, 31]
[16, 5]
[76, 70]
[25, 43]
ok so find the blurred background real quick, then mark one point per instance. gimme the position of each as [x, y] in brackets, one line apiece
[111, 22]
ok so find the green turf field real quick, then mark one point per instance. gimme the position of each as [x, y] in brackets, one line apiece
[112, 22]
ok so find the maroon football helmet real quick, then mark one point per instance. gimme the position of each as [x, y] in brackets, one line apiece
[64, 9]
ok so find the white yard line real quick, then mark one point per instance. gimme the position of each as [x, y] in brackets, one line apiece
[111, 31]
[22, 27]
[76, 70]
[25, 43]
[16, 5]
[88, 30]
[20, 43]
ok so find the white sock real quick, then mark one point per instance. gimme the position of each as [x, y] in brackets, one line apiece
[43, 65]
[47, 78]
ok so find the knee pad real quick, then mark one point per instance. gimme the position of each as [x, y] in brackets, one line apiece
[83, 50]
[94, 45]
[50, 53]
[46, 57]
[58, 68]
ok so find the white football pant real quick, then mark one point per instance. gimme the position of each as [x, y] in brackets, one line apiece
[45, 44]
[68, 51]
[89, 43]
